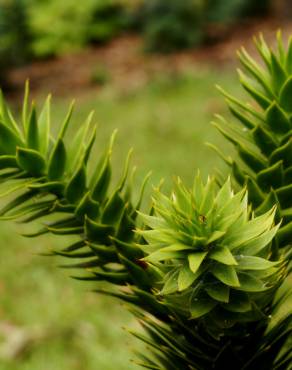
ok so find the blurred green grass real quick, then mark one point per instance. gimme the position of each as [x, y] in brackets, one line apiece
[167, 123]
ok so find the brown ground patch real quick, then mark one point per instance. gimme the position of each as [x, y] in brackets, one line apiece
[129, 67]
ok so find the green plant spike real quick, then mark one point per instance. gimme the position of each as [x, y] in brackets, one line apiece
[53, 178]
[267, 128]
[204, 263]
[209, 247]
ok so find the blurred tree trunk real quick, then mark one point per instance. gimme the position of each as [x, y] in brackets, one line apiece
[282, 8]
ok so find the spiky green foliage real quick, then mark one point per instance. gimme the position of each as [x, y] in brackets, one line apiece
[214, 254]
[260, 345]
[50, 178]
[236, 318]
[46, 177]
[262, 137]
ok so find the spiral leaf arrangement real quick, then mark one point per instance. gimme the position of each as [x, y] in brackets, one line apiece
[50, 178]
[207, 271]
[262, 135]
[212, 250]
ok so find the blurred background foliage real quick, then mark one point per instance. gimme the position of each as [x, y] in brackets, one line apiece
[38, 29]
[15, 38]
[43, 28]
[63, 26]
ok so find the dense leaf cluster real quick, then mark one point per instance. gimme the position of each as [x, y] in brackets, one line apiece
[209, 280]
[262, 137]
[213, 251]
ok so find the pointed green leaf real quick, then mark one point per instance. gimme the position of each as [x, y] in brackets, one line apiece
[223, 255]
[89, 145]
[282, 304]
[255, 195]
[253, 263]
[171, 283]
[195, 260]
[76, 187]
[255, 70]
[32, 135]
[238, 173]
[152, 221]
[31, 161]
[215, 236]
[57, 161]
[125, 229]
[278, 73]
[200, 306]
[137, 273]
[25, 107]
[117, 278]
[129, 250]
[107, 253]
[177, 247]
[280, 47]
[283, 153]
[66, 122]
[248, 283]
[156, 236]
[245, 107]
[162, 255]
[8, 140]
[264, 140]
[289, 57]
[98, 233]
[277, 119]
[257, 95]
[6, 116]
[271, 177]
[18, 201]
[77, 230]
[103, 180]
[224, 194]
[264, 50]
[55, 187]
[251, 159]
[113, 209]
[77, 146]
[44, 126]
[87, 206]
[198, 189]
[208, 197]
[256, 245]
[218, 291]
[226, 274]
[245, 119]
[284, 194]
[251, 229]
[267, 204]
[125, 172]
[286, 95]
[235, 135]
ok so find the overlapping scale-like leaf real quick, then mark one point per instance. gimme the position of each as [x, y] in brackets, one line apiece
[50, 178]
[201, 254]
[266, 170]
[210, 247]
